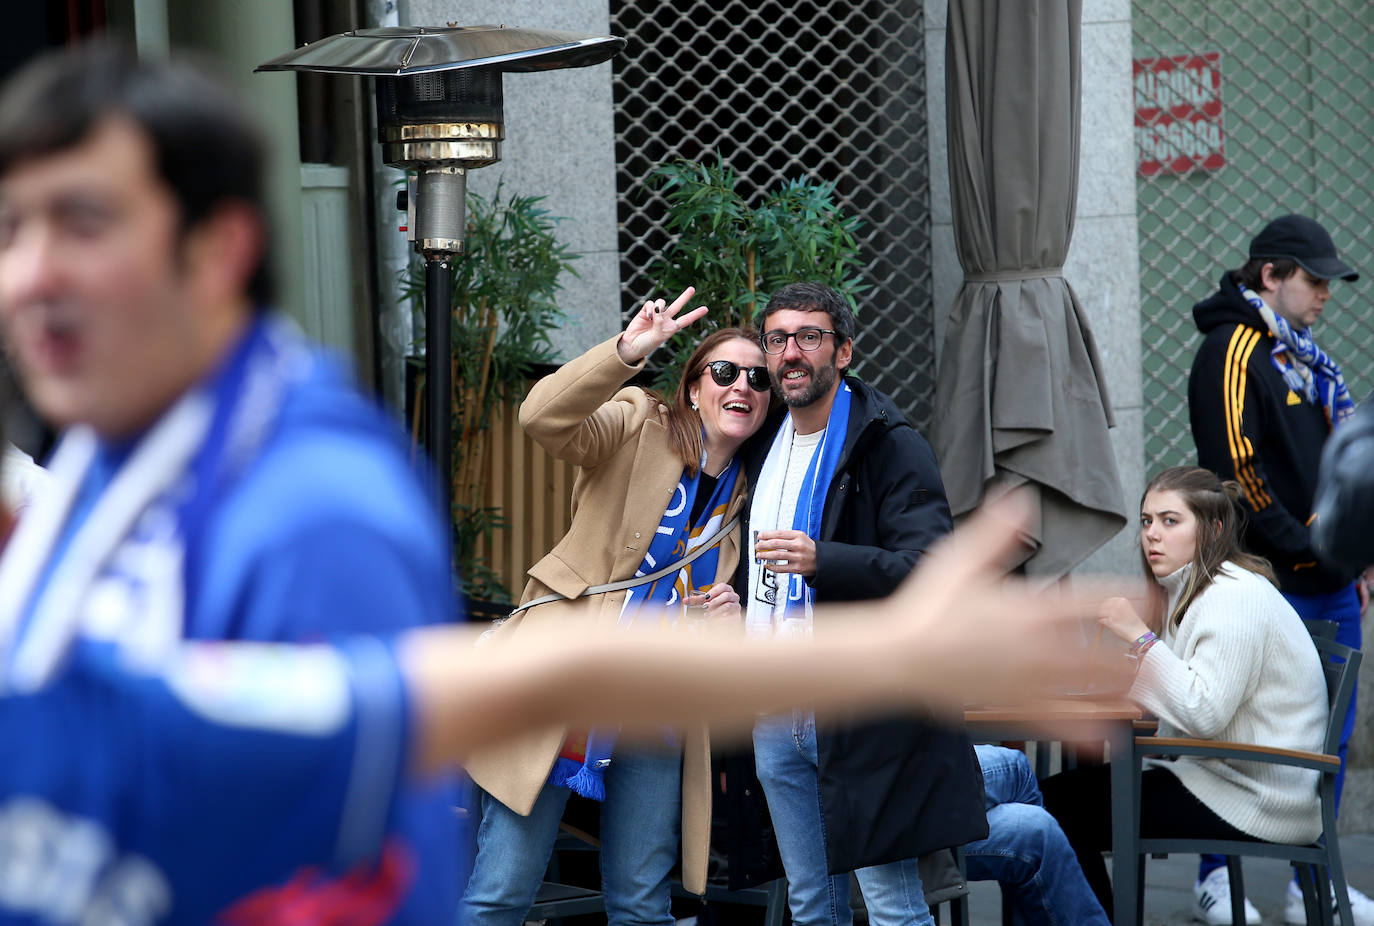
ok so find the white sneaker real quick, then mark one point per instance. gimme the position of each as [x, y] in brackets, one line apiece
[1361, 907]
[1212, 901]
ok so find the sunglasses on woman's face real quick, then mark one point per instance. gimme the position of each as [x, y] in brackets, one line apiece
[725, 372]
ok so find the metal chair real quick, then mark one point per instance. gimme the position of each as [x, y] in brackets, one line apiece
[958, 901]
[772, 896]
[556, 899]
[1326, 630]
[1322, 858]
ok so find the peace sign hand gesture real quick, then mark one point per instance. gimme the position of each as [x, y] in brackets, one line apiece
[653, 325]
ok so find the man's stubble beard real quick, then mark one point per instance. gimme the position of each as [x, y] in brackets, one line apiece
[822, 379]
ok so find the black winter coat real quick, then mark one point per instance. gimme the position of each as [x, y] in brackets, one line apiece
[902, 787]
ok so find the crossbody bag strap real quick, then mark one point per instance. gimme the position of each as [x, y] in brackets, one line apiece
[637, 580]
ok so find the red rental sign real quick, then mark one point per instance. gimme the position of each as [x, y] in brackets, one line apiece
[1178, 114]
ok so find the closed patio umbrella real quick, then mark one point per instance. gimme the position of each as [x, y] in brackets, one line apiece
[1020, 396]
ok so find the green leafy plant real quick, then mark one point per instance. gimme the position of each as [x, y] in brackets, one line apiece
[504, 306]
[736, 253]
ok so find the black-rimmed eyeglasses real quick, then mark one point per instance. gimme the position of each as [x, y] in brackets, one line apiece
[725, 372]
[775, 341]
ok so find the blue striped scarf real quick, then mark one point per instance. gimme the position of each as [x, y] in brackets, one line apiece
[781, 603]
[581, 764]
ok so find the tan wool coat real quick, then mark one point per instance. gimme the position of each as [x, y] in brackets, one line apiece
[618, 438]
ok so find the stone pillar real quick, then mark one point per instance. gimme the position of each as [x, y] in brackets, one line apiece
[560, 143]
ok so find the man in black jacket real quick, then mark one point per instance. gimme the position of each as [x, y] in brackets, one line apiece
[1262, 399]
[845, 498]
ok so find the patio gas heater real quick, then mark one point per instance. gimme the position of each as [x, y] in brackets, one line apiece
[438, 92]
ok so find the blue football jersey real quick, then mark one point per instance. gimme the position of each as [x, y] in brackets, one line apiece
[316, 529]
[131, 799]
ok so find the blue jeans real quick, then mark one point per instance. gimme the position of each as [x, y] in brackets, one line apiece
[785, 758]
[641, 819]
[1026, 851]
[1343, 607]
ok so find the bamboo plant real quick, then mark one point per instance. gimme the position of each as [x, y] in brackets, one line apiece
[504, 307]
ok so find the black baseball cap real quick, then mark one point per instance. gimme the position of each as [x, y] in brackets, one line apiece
[1299, 238]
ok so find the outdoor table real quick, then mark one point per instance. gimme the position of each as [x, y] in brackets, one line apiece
[1107, 719]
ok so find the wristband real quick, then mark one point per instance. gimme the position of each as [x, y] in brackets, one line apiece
[1143, 641]
[1141, 646]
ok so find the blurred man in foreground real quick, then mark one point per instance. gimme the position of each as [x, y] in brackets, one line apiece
[168, 796]
[217, 477]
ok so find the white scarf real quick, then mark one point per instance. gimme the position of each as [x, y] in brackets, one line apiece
[765, 514]
[74, 597]
[121, 577]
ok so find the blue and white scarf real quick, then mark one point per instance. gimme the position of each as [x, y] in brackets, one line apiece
[675, 538]
[782, 603]
[110, 560]
[581, 765]
[1305, 367]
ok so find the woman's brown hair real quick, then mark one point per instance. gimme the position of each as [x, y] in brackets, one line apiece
[684, 422]
[1216, 506]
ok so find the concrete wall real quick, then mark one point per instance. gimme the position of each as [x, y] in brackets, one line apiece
[240, 35]
[560, 143]
[1102, 265]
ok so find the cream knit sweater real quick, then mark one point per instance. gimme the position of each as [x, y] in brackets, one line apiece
[1240, 667]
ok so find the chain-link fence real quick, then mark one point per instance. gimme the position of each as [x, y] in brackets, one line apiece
[1246, 111]
[827, 89]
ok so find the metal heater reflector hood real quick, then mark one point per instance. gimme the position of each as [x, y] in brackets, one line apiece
[409, 50]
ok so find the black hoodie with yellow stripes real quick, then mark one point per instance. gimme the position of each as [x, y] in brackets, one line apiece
[1250, 427]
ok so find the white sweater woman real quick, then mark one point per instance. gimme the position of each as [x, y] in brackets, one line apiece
[1230, 660]
[1240, 666]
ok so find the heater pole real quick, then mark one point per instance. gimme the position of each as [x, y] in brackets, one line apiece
[439, 226]
[439, 374]
[439, 113]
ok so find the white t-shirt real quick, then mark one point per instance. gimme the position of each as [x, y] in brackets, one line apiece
[798, 462]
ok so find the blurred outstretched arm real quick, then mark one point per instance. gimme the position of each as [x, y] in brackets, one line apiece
[957, 631]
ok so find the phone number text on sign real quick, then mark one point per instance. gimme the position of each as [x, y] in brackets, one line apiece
[1178, 124]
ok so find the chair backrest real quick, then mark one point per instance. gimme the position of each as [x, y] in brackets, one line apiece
[1340, 665]
[1321, 628]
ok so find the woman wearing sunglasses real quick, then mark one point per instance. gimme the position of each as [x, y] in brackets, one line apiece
[658, 483]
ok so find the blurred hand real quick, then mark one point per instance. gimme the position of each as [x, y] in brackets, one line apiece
[653, 325]
[984, 637]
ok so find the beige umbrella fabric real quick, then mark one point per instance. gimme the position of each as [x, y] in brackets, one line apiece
[1020, 395]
